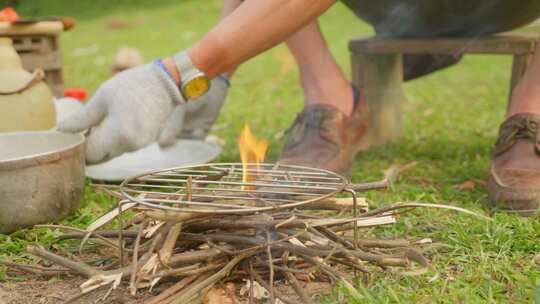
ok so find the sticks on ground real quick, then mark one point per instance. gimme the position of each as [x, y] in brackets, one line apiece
[199, 251]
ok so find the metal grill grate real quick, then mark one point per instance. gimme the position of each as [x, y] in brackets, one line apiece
[219, 189]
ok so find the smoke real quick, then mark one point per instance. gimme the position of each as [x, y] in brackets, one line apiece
[399, 20]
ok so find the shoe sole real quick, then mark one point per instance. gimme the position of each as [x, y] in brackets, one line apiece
[500, 198]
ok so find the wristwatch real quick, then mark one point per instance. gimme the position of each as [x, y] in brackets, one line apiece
[194, 82]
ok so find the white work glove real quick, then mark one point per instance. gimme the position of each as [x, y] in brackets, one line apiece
[138, 107]
[194, 119]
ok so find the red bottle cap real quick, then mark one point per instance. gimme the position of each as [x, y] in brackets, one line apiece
[8, 14]
[78, 93]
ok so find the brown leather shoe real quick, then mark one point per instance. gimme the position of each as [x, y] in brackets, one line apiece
[324, 137]
[514, 177]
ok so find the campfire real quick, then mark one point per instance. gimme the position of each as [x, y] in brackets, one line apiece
[249, 232]
[252, 151]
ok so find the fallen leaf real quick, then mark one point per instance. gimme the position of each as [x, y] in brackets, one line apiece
[424, 241]
[116, 24]
[393, 173]
[259, 292]
[221, 295]
[428, 112]
[466, 185]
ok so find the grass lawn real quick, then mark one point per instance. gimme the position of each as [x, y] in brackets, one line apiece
[451, 123]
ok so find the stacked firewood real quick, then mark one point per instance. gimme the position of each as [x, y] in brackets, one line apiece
[201, 252]
[255, 257]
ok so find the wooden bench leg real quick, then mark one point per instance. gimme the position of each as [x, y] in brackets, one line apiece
[380, 78]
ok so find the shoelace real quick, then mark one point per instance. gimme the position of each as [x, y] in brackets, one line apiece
[305, 121]
[524, 127]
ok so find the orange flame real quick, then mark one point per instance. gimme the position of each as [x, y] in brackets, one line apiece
[252, 152]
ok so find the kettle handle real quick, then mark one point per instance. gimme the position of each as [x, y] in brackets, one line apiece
[37, 76]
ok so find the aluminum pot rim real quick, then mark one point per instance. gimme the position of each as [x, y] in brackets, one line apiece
[41, 158]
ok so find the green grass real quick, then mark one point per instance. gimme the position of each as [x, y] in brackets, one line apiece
[450, 125]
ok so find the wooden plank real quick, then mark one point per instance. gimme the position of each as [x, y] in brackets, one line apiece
[40, 44]
[57, 90]
[55, 81]
[50, 28]
[519, 67]
[45, 61]
[501, 44]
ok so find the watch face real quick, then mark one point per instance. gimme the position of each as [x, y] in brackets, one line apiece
[197, 87]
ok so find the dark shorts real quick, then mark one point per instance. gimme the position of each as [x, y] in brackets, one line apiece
[431, 18]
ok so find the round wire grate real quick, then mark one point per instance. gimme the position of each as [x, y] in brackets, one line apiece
[219, 188]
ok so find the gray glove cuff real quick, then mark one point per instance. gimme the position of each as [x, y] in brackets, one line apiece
[168, 83]
[225, 80]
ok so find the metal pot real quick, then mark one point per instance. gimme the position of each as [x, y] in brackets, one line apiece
[41, 177]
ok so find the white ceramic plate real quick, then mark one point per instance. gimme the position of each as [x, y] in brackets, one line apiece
[183, 153]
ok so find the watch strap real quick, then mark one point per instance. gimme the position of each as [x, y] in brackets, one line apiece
[185, 67]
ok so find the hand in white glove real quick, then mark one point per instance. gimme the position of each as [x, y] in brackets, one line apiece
[195, 118]
[138, 107]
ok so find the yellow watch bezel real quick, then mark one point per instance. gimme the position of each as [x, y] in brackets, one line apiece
[195, 87]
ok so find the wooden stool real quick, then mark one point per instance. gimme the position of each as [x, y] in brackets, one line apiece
[377, 70]
[38, 45]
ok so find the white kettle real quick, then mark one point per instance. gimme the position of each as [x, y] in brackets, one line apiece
[26, 102]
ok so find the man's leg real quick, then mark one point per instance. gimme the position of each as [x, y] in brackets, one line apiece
[325, 134]
[322, 79]
[526, 96]
[247, 29]
[514, 177]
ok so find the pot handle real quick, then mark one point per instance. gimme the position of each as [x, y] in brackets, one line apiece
[37, 76]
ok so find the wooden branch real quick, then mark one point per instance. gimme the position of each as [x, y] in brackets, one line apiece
[187, 271]
[299, 289]
[84, 232]
[193, 289]
[135, 264]
[104, 233]
[192, 257]
[80, 268]
[374, 243]
[271, 267]
[159, 299]
[264, 284]
[34, 269]
[338, 204]
[166, 250]
[169, 216]
[251, 279]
